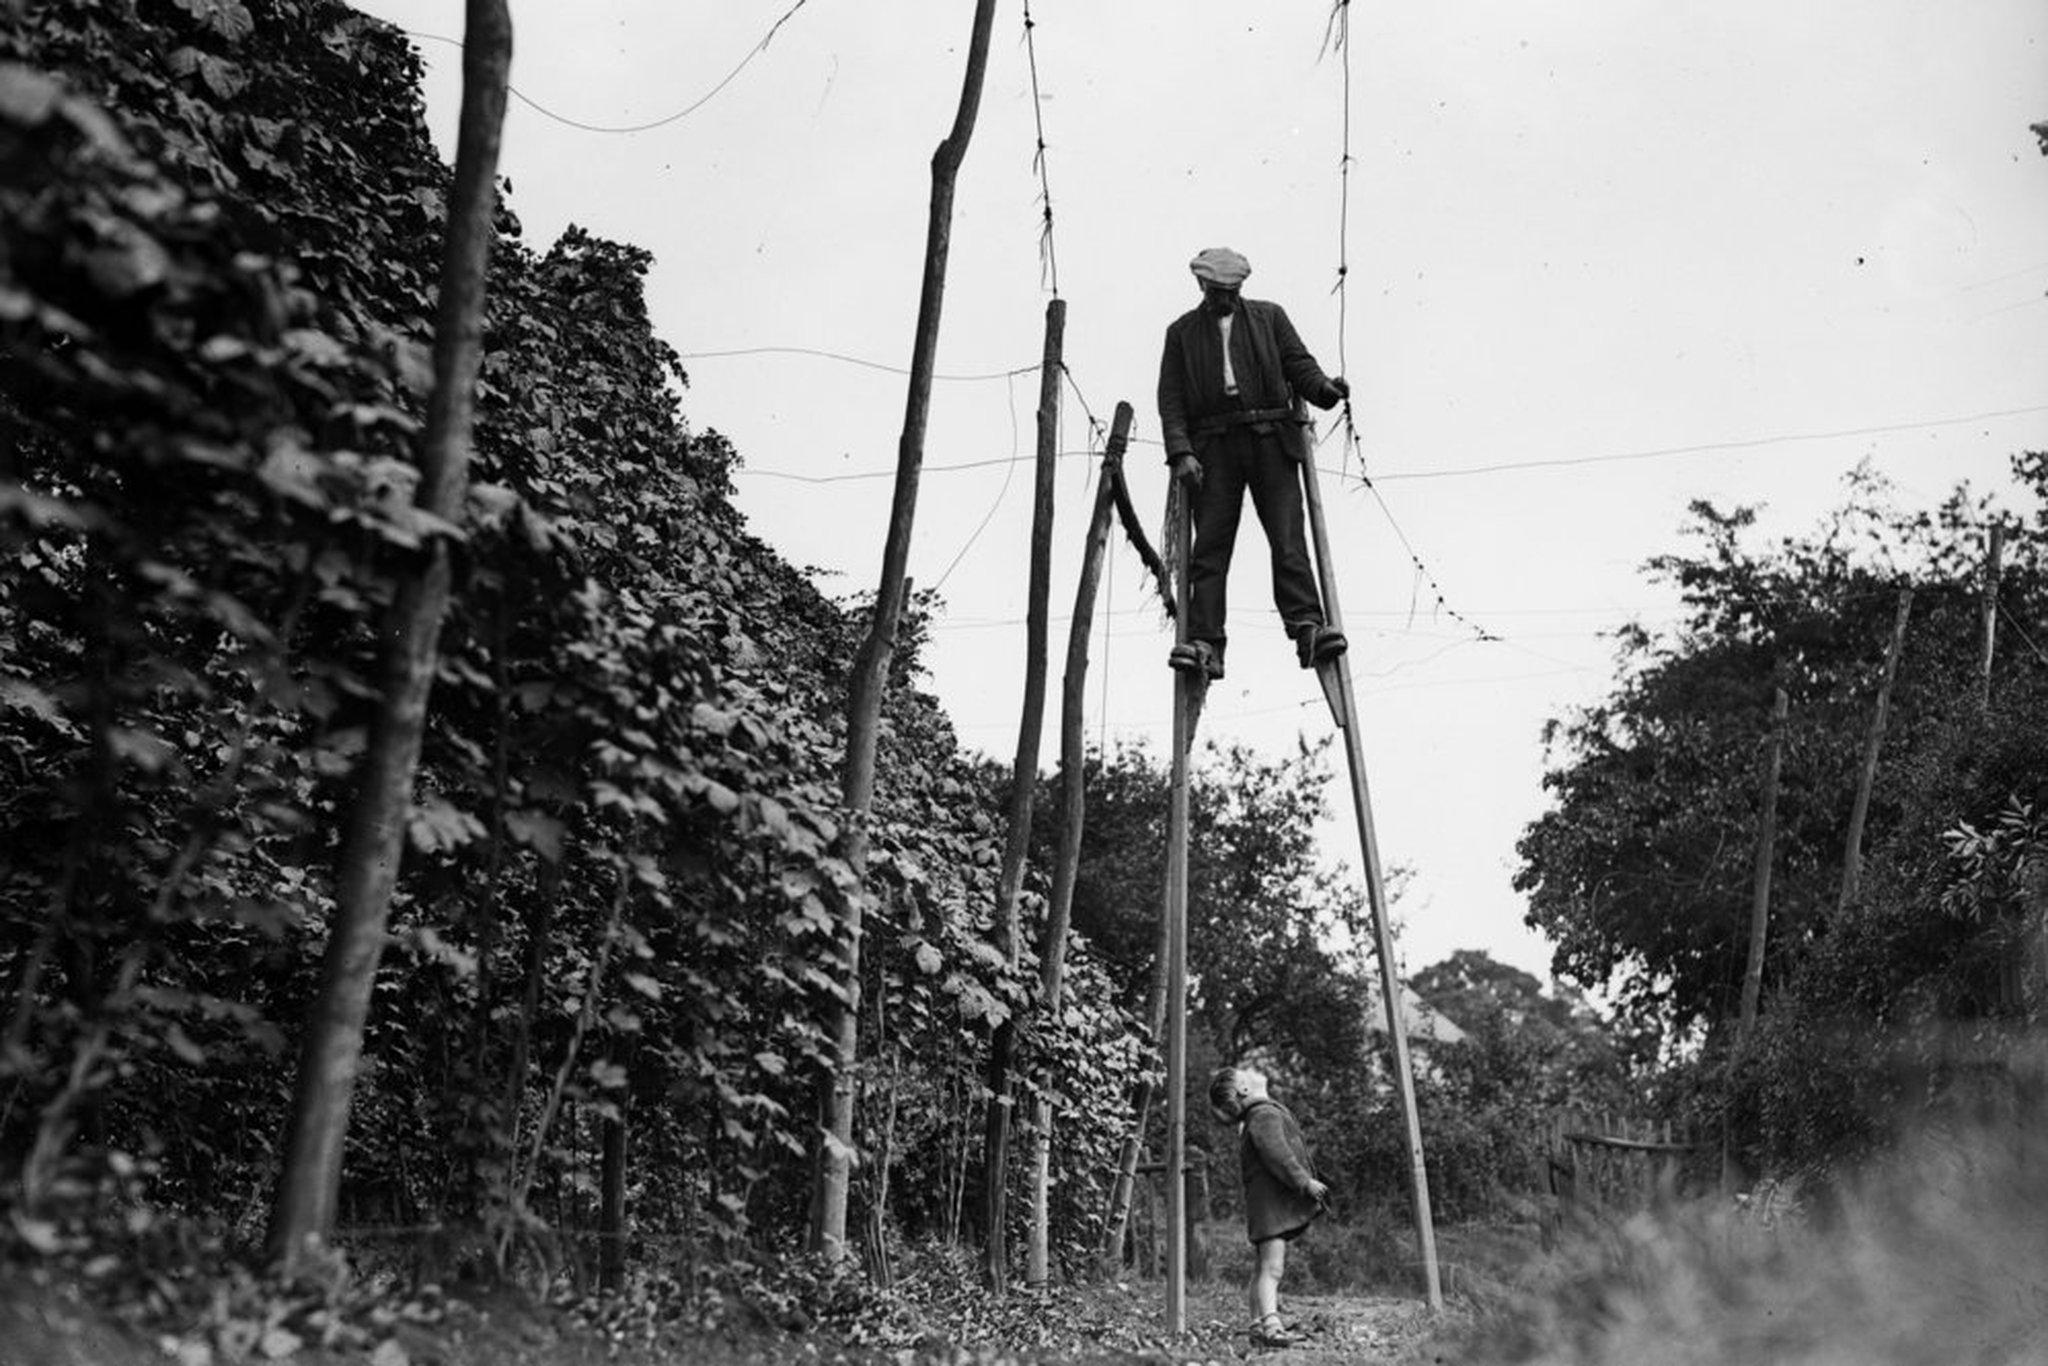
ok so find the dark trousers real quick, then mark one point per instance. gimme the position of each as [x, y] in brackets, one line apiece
[1233, 461]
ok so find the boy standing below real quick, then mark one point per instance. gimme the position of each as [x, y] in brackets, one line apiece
[1282, 1196]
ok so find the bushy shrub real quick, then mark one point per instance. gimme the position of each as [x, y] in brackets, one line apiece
[1933, 1253]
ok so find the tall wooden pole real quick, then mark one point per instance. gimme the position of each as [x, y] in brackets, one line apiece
[1052, 955]
[834, 1157]
[302, 1217]
[1987, 610]
[1760, 883]
[995, 1149]
[1188, 688]
[1859, 810]
[1335, 676]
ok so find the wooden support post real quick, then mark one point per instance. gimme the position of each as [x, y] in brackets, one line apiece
[373, 838]
[1859, 811]
[832, 1167]
[1335, 677]
[1759, 930]
[1988, 610]
[1052, 954]
[1023, 793]
[1760, 883]
[1116, 1227]
[1188, 689]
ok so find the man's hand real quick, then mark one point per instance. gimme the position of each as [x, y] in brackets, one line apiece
[1188, 469]
[1317, 1191]
[1341, 387]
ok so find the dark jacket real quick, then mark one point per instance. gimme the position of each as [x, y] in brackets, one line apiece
[1266, 356]
[1276, 1173]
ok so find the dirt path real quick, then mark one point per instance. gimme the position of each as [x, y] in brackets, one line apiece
[1351, 1328]
[1339, 1328]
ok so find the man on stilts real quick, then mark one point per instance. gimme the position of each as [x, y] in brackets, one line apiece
[1228, 377]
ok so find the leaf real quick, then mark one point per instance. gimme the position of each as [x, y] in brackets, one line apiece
[774, 1064]
[842, 1151]
[27, 96]
[24, 696]
[390, 1353]
[294, 472]
[435, 949]
[316, 348]
[718, 721]
[437, 825]
[538, 831]
[229, 18]
[221, 77]
[128, 264]
[179, 1042]
[40, 510]
[39, 1234]
[929, 960]
[146, 750]
[279, 1342]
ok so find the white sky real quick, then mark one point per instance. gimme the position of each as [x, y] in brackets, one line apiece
[1577, 228]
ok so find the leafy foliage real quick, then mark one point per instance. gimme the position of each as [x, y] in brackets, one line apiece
[1642, 869]
[620, 900]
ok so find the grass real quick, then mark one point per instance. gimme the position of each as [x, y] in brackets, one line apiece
[1936, 1254]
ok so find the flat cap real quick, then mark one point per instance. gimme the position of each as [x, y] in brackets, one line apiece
[1220, 266]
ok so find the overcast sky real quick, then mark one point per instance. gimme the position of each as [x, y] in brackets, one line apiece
[1646, 251]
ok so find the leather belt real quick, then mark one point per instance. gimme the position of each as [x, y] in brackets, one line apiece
[1248, 417]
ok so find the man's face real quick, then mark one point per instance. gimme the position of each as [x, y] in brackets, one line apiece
[1219, 300]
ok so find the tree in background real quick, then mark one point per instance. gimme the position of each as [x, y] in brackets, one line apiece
[1640, 870]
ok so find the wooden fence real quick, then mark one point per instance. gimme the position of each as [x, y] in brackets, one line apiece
[1606, 1164]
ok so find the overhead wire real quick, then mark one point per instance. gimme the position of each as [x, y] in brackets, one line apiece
[1706, 447]
[756, 50]
[1010, 469]
[850, 360]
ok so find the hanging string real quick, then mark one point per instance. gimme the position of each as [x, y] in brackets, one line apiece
[1048, 260]
[1337, 36]
[1338, 32]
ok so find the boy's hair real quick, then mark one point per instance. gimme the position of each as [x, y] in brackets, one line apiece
[1223, 1089]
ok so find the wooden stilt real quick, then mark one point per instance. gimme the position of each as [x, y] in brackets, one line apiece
[1335, 677]
[1188, 689]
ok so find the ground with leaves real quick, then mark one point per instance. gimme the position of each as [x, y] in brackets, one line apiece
[47, 1325]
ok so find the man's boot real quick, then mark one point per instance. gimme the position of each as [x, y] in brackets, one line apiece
[1203, 658]
[1316, 644]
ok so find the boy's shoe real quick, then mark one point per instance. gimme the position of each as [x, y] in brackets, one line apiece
[1272, 1336]
[1317, 644]
[1199, 657]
